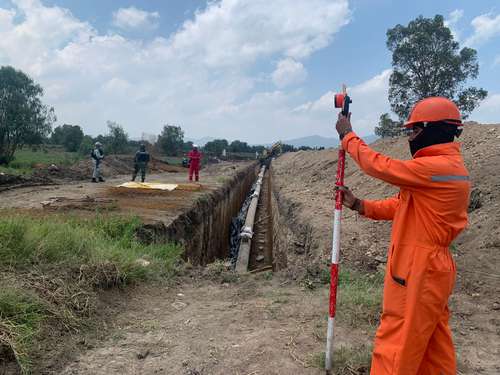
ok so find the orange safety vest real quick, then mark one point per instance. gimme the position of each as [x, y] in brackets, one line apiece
[428, 213]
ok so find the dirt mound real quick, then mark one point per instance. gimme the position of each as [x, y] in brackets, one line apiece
[9, 181]
[305, 182]
[112, 165]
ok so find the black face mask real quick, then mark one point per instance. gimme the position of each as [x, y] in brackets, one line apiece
[433, 134]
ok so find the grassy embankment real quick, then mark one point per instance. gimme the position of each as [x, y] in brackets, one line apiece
[52, 269]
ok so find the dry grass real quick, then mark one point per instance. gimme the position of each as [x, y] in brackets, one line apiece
[53, 267]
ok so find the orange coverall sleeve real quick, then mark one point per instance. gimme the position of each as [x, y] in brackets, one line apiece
[381, 209]
[403, 173]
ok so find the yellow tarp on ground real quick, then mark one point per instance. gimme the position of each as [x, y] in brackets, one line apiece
[160, 186]
[149, 185]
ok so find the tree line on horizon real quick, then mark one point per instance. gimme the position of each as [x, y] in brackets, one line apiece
[426, 61]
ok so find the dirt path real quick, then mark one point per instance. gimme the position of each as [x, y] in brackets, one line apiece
[255, 326]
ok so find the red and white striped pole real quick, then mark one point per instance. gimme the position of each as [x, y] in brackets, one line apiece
[334, 267]
[340, 101]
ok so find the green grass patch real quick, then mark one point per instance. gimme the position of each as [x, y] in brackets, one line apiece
[71, 241]
[25, 160]
[59, 261]
[172, 160]
[359, 298]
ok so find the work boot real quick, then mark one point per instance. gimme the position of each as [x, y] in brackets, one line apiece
[94, 180]
[142, 179]
[101, 179]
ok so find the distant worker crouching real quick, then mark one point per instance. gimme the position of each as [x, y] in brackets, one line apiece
[141, 161]
[97, 155]
[194, 163]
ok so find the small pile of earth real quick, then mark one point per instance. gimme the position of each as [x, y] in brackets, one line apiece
[9, 181]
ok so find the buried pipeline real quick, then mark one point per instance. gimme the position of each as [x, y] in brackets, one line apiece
[236, 222]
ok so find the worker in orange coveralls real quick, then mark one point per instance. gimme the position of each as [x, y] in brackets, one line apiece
[194, 163]
[429, 211]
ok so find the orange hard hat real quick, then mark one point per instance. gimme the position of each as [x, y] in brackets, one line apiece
[434, 109]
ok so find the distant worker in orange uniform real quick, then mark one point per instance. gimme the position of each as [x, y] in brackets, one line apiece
[194, 163]
[429, 211]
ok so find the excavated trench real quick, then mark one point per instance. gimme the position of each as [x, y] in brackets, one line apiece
[211, 228]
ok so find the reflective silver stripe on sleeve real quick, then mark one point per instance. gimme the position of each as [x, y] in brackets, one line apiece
[441, 178]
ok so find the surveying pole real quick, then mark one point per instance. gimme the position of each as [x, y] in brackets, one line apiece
[340, 101]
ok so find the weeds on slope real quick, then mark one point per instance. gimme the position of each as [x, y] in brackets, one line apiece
[359, 298]
[52, 266]
[69, 242]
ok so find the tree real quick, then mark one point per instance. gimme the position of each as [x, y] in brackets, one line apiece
[239, 146]
[24, 119]
[426, 61]
[86, 145]
[288, 148]
[305, 148]
[387, 127]
[117, 139]
[171, 140]
[69, 136]
[258, 149]
[187, 146]
[216, 146]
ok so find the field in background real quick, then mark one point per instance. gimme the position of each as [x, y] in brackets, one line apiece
[26, 160]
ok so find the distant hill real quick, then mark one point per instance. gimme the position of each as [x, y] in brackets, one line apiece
[319, 141]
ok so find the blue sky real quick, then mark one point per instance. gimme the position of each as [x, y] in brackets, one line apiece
[254, 70]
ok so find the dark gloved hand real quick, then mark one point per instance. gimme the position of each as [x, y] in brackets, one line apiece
[343, 125]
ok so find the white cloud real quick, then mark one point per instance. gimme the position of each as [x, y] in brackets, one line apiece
[202, 77]
[289, 72]
[452, 20]
[486, 27]
[369, 102]
[233, 32]
[133, 18]
[455, 16]
[497, 60]
[487, 112]
[6, 18]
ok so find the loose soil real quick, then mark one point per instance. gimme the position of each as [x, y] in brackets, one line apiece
[252, 326]
[305, 180]
[275, 323]
[83, 197]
